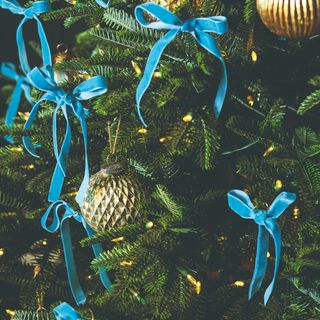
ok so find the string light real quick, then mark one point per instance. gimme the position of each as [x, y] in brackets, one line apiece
[36, 270]
[73, 2]
[1, 252]
[116, 240]
[187, 118]
[73, 193]
[163, 139]
[44, 242]
[254, 56]
[250, 100]
[239, 283]
[157, 74]
[134, 293]
[136, 68]
[195, 283]
[24, 115]
[268, 254]
[126, 263]
[296, 213]
[142, 130]
[89, 277]
[278, 185]
[268, 151]
[10, 312]
[16, 149]
[101, 52]
[149, 225]
[98, 25]
[28, 166]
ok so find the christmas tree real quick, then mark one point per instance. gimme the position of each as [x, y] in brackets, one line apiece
[157, 197]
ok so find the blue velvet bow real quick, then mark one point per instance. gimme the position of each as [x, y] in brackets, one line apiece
[240, 203]
[22, 85]
[43, 79]
[198, 27]
[32, 12]
[52, 214]
[65, 312]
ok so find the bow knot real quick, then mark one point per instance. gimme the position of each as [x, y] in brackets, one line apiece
[240, 203]
[189, 25]
[260, 217]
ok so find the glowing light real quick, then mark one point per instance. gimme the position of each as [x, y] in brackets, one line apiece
[16, 149]
[250, 101]
[28, 166]
[157, 74]
[268, 254]
[198, 287]
[142, 130]
[163, 139]
[44, 242]
[254, 56]
[24, 115]
[278, 185]
[187, 117]
[268, 151]
[10, 312]
[239, 283]
[136, 68]
[119, 239]
[126, 263]
[149, 225]
[1, 252]
[296, 213]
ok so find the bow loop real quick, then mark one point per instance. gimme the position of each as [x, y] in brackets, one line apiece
[240, 203]
[218, 24]
[90, 88]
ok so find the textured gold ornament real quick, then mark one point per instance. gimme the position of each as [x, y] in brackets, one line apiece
[290, 18]
[112, 198]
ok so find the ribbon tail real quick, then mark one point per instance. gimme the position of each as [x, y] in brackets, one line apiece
[274, 230]
[208, 42]
[151, 65]
[22, 48]
[62, 159]
[97, 249]
[26, 140]
[85, 182]
[72, 273]
[261, 261]
[46, 55]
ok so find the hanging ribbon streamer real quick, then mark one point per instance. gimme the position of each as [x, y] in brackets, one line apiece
[22, 85]
[103, 4]
[240, 203]
[52, 214]
[32, 12]
[65, 312]
[43, 79]
[198, 27]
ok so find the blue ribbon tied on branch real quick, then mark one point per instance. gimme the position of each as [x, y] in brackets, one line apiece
[240, 203]
[30, 13]
[22, 85]
[68, 103]
[65, 312]
[52, 214]
[198, 27]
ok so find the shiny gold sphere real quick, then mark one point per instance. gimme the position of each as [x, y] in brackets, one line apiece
[294, 19]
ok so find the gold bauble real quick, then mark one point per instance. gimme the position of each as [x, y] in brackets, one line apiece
[294, 19]
[113, 198]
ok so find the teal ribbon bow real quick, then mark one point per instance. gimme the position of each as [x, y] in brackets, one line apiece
[52, 214]
[198, 27]
[240, 203]
[22, 85]
[32, 12]
[43, 79]
[65, 312]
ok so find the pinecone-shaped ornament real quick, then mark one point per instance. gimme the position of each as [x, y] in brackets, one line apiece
[113, 197]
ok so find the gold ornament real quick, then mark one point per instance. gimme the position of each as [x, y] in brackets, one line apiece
[294, 19]
[112, 198]
[114, 193]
